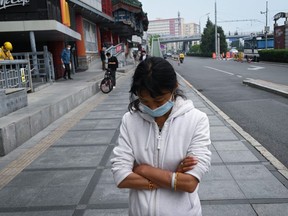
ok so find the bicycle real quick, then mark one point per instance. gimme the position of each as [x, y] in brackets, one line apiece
[106, 84]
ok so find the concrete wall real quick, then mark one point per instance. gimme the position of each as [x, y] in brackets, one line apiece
[20, 126]
[12, 100]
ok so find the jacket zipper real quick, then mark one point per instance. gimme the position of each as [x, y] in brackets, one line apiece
[158, 164]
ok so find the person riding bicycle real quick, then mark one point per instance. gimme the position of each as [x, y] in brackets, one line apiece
[112, 65]
[181, 57]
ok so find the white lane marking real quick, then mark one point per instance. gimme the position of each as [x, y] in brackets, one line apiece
[252, 67]
[219, 70]
[239, 76]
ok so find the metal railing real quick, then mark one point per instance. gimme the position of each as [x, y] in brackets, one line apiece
[116, 50]
[42, 66]
[27, 67]
[15, 74]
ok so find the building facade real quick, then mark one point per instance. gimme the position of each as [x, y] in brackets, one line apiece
[191, 29]
[166, 27]
[86, 25]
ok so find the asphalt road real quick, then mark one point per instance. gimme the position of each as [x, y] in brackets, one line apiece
[262, 114]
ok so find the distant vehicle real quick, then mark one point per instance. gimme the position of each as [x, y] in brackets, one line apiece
[233, 50]
[169, 54]
[255, 43]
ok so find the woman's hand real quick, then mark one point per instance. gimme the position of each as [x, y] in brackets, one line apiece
[187, 164]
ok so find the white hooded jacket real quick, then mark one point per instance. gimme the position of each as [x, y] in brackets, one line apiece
[185, 132]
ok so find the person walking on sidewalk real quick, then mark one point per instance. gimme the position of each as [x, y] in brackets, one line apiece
[143, 55]
[112, 65]
[103, 58]
[163, 145]
[66, 60]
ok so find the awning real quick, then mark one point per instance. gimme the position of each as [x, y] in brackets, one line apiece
[44, 30]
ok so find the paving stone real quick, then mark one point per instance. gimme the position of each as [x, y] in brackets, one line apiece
[86, 137]
[221, 133]
[223, 189]
[105, 115]
[228, 210]
[216, 173]
[106, 212]
[206, 110]
[17, 196]
[199, 104]
[109, 193]
[215, 121]
[97, 124]
[250, 172]
[262, 188]
[229, 145]
[280, 209]
[39, 213]
[69, 157]
[58, 196]
[124, 101]
[215, 158]
[71, 177]
[112, 107]
[107, 177]
[35, 179]
[237, 156]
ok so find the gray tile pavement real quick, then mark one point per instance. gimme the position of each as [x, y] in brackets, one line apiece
[73, 177]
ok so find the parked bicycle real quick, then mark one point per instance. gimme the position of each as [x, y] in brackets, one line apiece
[106, 84]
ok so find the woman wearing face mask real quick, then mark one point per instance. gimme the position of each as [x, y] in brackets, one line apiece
[66, 61]
[162, 150]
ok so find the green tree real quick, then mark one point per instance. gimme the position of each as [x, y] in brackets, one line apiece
[207, 45]
[195, 48]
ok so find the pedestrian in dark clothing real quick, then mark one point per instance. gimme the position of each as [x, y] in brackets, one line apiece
[66, 60]
[112, 65]
[103, 58]
[143, 55]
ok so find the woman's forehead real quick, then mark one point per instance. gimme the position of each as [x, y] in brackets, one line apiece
[146, 94]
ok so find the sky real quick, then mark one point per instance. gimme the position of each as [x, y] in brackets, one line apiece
[195, 11]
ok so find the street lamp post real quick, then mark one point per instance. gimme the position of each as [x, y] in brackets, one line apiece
[216, 34]
[200, 22]
[266, 30]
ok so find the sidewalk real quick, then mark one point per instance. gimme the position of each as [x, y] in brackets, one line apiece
[65, 169]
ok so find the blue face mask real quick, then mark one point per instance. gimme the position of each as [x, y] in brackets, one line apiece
[160, 111]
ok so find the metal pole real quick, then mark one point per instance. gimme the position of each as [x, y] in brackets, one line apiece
[34, 53]
[266, 24]
[266, 27]
[200, 22]
[216, 46]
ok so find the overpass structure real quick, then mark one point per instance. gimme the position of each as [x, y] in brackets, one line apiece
[188, 39]
[171, 39]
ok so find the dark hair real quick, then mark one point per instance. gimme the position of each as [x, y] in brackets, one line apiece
[155, 75]
[108, 54]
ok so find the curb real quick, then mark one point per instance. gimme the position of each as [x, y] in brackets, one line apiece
[266, 87]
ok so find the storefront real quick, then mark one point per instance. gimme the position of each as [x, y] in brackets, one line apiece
[86, 25]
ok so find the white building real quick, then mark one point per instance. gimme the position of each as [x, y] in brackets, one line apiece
[191, 29]
[166, 27]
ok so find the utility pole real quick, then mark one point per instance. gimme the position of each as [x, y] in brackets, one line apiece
[200, 22]
[216, 34]
[266, 30]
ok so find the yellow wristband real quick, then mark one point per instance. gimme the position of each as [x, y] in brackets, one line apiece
[175, 182]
